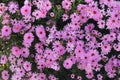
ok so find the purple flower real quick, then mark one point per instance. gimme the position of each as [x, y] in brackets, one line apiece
[20, 72]
[28, 37]
[20, 61]
[16, 28]
[40, 32]
[6, 31]
[48, 5]
[5, 75]
[42, 76]
[68, 64]
[66, 4]
[13, 7]
[3, 59]
[16, 51]
[27, 66]
[39, 47]
[25, 52]
[64, 17]
[26, 10]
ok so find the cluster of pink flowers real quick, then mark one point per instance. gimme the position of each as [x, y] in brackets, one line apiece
[91, 40]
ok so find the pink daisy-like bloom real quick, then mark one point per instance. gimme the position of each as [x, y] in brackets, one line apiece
[64, 17]
[48, 5]
[16, 28]
[36, 14]
[3, 59]
[5, 75]
[68, 64]
[66, 4]
[13, 6]
[112, 23]
[28, 37]
[16, 51]
[25, 52]
[101, 24]
[79, 52]
[95, 14]
[116, 47]
[43, 13]
[20, 72]
[90, 75]
[106, 48]
[75, 17]
[26, 10]
[112, 37]
[20, 61]
[27, 66]
[55, 66]
[83, 18]
[6, 31]
[42, 76]
[39, 47]
[99, 77]
[12, 58]
[40, 32]
[81, 7]
[6, 19]
[61, 50]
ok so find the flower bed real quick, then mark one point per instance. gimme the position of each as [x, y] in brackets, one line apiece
[59, 40]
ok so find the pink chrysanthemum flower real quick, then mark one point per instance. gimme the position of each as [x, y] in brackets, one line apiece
[26, 10]
[66, 4]
[3, 59]
[27, 66]
[25, 52]
[16, 28]
[16, 51]
[68, 64]
[13, 7]
[6, 31]
[28, 37]
[48, 5]
[5, 75]
[40, 32]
